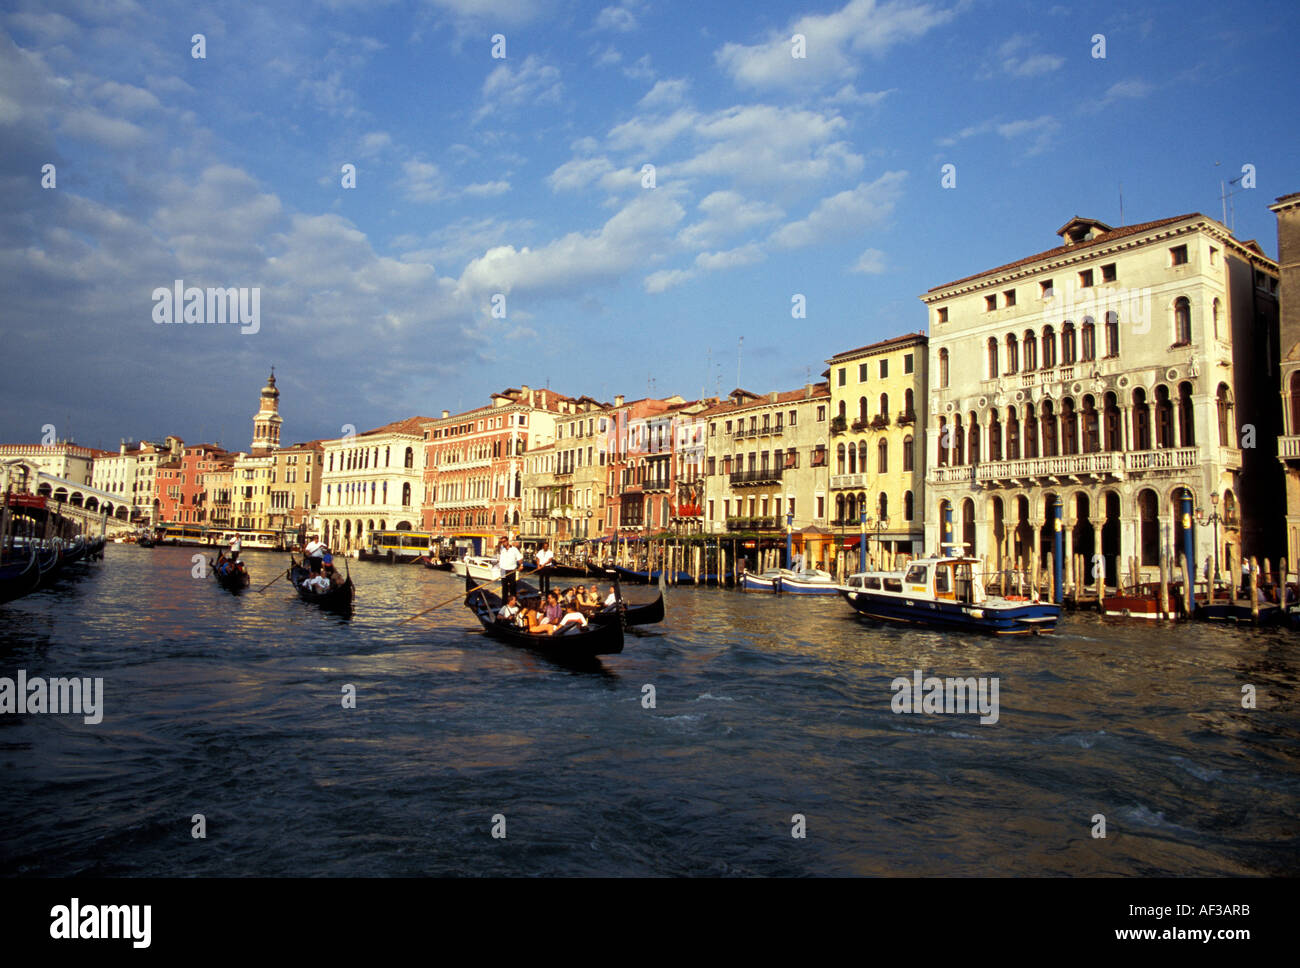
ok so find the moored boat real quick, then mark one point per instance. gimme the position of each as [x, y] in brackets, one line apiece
[768, 581]
[17, 578]
[811, 582]
[945, 591]
[478, 567]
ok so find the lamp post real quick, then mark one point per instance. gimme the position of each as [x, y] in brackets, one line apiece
[881, 525]
[1213, 519]
[789, 539]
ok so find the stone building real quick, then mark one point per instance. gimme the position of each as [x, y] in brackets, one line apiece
[1115, 371]
[1287, 209]
[295, 486]
[878, 401]
[371, 482]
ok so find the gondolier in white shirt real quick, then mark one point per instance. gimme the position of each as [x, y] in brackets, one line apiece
[545, 559]
[235, 547]
[315, 552]
[509, 561]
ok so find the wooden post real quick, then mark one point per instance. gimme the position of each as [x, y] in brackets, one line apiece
[1284, 586]
[1164, 587]
[1254, 592]
[1187, 584]
[1101, 587]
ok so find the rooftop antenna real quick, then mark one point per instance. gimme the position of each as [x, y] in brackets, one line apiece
[1225, 199]
[1121, 203]
[740, 351]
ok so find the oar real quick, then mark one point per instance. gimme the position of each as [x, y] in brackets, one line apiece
[464, 594]
[273, 580]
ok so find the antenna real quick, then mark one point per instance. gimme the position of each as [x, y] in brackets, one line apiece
[740, 352]
[1121, 203]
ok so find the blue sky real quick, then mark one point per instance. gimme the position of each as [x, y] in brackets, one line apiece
[774, 175]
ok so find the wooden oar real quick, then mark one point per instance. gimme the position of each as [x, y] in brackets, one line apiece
[273, 580]
[462, 595]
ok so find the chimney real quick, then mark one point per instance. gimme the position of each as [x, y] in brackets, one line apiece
[523, 389]
[807, 391]
[446, 414]
[618, 400]
[773, 395]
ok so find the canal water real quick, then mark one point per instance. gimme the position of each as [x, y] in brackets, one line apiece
[764, 708]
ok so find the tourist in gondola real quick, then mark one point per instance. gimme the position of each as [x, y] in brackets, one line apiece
[538, 624]
[545, 561]
[317, 583]
[553, 610]
[572, 618]
[509, 611]
[612, 597]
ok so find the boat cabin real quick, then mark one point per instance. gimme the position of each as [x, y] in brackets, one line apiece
[954, 579]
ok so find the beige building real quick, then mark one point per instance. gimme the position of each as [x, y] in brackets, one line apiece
[64, 460]
[877, 477]
[1116, 372]
[765, 459]
[1287, 209]
[295, 486]
[371, 482]
[131, 473]
[538, 521]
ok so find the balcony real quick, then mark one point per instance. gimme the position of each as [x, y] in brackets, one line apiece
[540, 513]
[907, 418]
[764, 475]
[860, 425]
[752, 524]
[838, 425]
[880, 421]
[840, 481]
[657, 484]
[1288, 448]
[1115, 463]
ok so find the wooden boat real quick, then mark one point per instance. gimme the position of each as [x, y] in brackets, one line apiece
[810, 582]
[145, 542]
[945, 591]
[230, 575]
[645, 613]
[598, 638]
[768, 581]
[49, 562]
[1143, 602]
[338, 599]
[478, 567]
[17, 578]
[1238, 611]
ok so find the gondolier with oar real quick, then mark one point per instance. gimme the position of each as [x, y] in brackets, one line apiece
[509, 561]
[545, 559]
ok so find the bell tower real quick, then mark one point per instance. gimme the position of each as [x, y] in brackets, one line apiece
[267, 420]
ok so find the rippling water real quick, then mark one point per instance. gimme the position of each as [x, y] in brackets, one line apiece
[766, 707]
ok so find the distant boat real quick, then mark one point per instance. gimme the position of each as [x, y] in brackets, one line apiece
[230, 575]
[811, 582]
[478, 567]
[945, 591]
[339, 598]
[768, 581]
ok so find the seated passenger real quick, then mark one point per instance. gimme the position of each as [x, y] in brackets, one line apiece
[509, 611]
[612, 598]
[537, 623]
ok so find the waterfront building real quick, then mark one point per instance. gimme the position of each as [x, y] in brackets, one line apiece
[1116, 372]
[295, 487]
[877, 474]
[371, 482]
[536, 482]
[473, 476]
[130, 474]
[181, 485]
[219, 488]
[577, 488]
[1287, 210]
[765, 459]
[639, 472]
[62, 459]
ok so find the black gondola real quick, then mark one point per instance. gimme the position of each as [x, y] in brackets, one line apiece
[49, 561]
[230, 575]
[646, 613]
[17, 578]
[575, 643]
[338, 599]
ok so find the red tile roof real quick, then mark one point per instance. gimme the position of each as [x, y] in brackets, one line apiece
[411, 425]
[919, 336]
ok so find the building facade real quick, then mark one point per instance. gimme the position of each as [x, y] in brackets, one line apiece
[877, 478]
[1287, 210]
[181, 487]
[372, 482]
[295, 486]
[63, 459]
[1116, 372]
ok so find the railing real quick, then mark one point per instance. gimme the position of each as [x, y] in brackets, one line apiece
[752, 524]
[765, 475]
[848, 480]
[1288, 447]
[838, 425]
[1104, 462]
[907, 418]
[860, 425]
[657, 484]
[880, 421]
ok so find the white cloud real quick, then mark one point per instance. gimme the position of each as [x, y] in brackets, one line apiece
[744, 255]
[666, 279]
[727, 213]
[665, 93]
[487, 189]
[374, 143]
[94, 126]
[492, 11]
[126, 98]
[507, 90]
[871, 263]
[1040, 130]
[844, 215]
[423, 181]
[578, 173]
[1015, 58]
[618, 19]
[762, 143]
[834, 44]
[848, 94]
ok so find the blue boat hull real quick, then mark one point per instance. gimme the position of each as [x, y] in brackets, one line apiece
[1028, 619]
[753, 583]
[795, 587]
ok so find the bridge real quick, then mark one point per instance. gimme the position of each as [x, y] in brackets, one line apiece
[87, 506]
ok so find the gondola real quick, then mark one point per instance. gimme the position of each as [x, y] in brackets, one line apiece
[646, 613]
[651, 577]
[49, 561]
[576, 643]
[338, 599]
[230, 575]
[17, 578]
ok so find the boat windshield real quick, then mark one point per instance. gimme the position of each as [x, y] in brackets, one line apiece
[916, 575]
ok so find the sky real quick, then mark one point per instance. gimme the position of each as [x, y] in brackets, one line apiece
[499, 225]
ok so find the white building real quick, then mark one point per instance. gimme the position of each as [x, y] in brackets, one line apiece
[372, 482]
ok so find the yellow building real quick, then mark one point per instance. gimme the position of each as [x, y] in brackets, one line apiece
[877, 474]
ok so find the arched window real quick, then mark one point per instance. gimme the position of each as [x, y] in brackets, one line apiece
[1111, 421]
[1295, 402]
[1141, 419]
[944, 441]
[943, 368]
[1013, 354]
[883, 507]
[907, 506]
[908, 444]
[1069, 427]
[839, 508]
[1089, 340]
[388, 453]
[1030, 345]
[1227, 429]
[1067, 344]
[1091, 426]
[993, 357]
[884, 404]
[909, 409]
[1186, 415]
[1182, 321]
[862, 456]
[853, 459]
[844, 410]
[1013, 434]
[882, 457]
[862, 409]
[410, 458]
[1049, 347]
[406, 495]
[1112, 333]
[995, 437]
[1031, 432]
[1049, 430]
[839, 459]
[1164, 418]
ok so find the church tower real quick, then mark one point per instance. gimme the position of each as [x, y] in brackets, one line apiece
[266, 422]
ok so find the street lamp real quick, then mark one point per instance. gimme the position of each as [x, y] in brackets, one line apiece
[862, 540]
[789, 539]
[1214, 519]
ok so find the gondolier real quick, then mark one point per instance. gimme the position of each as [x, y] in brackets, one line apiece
[509, 561]
[545, 561]
[315, 552]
